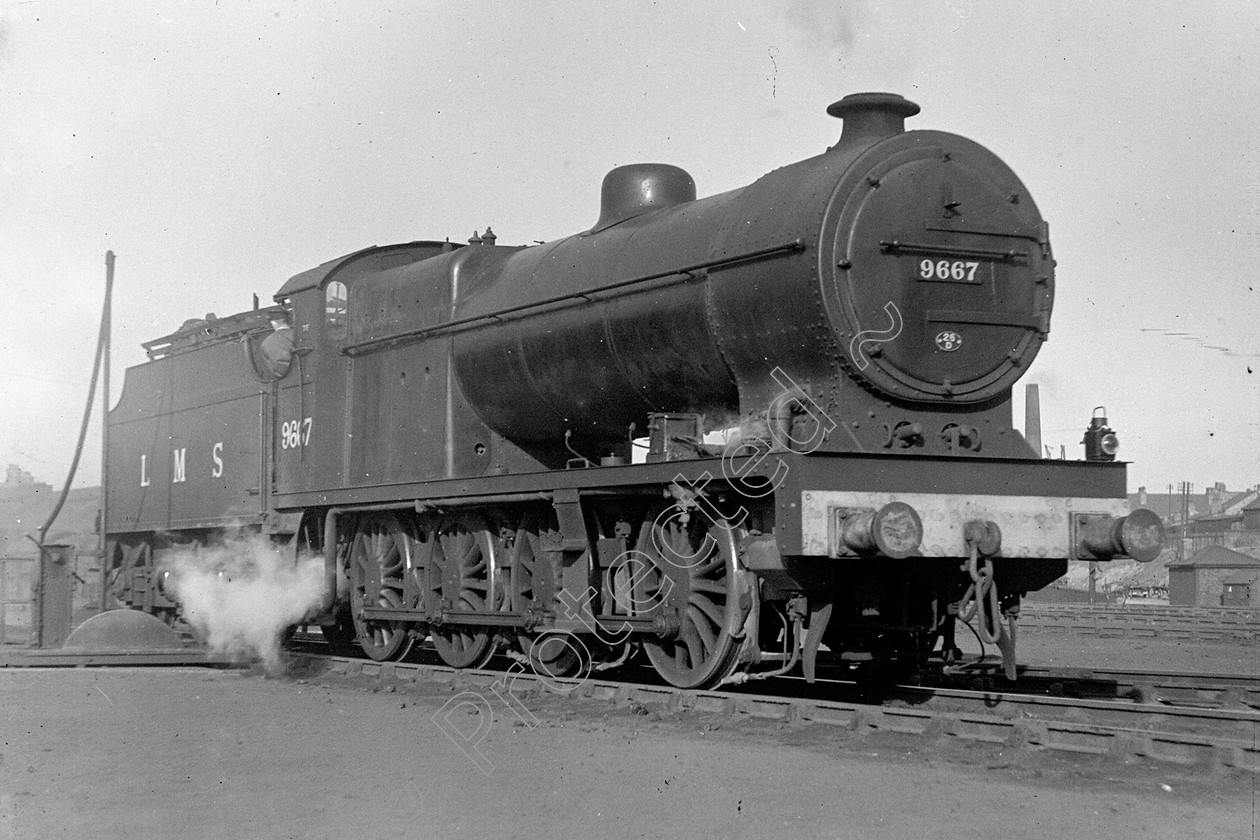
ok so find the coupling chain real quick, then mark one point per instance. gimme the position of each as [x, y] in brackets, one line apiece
[981, 600]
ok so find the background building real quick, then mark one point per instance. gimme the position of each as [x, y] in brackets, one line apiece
[1215, 577]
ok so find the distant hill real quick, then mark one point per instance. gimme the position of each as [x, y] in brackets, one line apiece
[1121, 573]
[25, 507]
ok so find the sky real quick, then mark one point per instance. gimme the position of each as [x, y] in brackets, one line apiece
[220, 148]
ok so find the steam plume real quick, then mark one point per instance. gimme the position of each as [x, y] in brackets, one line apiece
[830, 24]
[241, 596]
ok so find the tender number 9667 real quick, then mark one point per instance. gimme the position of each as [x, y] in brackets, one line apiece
[295, 433]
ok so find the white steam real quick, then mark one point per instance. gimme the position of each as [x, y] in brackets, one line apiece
[240, 596]
[829, 24]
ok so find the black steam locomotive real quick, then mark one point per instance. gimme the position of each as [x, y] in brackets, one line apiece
[730, 432]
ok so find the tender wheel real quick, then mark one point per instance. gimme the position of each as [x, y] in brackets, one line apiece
[380, 555]
[533, 590]
[132, 560]
[694, 583]
[463, 576]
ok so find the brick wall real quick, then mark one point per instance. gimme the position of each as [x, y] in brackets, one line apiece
[1212, 585]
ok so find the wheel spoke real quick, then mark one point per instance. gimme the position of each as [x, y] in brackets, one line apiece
[710, 610]
[464, 582]
[702, 626]
[376, 565]
[717, 587]
[698, 558]
[695, 649]
[717, 564]
[530, 587]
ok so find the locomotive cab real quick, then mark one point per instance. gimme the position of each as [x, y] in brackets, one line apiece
[330, 398]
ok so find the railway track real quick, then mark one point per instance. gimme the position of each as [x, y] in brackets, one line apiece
[1190, 723]
[26, 658]
[1210, 721]
[1166, 688]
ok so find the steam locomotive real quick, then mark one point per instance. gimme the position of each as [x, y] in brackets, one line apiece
[735, 433]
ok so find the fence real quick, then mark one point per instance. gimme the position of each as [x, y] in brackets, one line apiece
[17, 579]
[16, 608]
[1199, 624]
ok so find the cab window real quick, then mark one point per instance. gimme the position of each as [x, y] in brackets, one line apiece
[336, 305]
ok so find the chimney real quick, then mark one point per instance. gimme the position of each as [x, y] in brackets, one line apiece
[870, 117]
[1216, 497]
[1142, 496]
[1032, 418]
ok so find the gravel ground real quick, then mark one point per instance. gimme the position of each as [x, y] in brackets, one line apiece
[191, 753]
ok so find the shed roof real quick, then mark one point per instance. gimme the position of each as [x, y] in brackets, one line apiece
[1238, 502]
[1216, 557]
